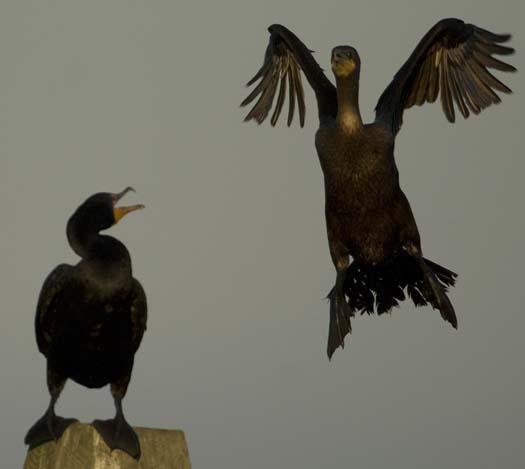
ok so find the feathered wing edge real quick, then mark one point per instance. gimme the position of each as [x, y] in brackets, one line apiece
[286, 57]
[280, 68]
[452, 60]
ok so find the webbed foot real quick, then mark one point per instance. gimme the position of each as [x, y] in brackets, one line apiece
[48, 428]
[118, 434]
[340, 326]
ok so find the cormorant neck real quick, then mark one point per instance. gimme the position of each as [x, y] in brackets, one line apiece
[348, 115]
[82, 238]
[88, 243]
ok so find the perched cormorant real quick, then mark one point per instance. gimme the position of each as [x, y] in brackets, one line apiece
[367, 214]
[90, 320]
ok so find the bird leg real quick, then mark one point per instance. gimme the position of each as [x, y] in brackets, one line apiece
[117, 432]
[49, 427]
[340, 313]
[441, 300]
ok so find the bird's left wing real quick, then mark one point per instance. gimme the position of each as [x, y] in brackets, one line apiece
[286, 56]
[452, 59]
[139, 313]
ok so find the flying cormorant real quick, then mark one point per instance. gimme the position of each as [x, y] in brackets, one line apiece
[367, 214]
[90, 320]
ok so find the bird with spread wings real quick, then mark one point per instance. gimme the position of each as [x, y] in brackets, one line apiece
[368, 216]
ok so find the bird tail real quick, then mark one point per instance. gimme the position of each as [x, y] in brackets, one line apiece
[378, 288]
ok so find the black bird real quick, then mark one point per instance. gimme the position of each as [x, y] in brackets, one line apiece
[90, 320]
[367, 214]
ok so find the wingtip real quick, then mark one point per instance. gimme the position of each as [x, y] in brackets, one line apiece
[251, 81]
[504, 37]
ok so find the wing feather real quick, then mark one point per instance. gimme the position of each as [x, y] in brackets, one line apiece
[284, 60]
[433, 86]
[291, 108]
[452, 60]
[280, 101]
[458, 93]
[300, 95]
[446, 99]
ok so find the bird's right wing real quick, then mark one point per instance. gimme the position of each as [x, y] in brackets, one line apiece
[45, 318]
[139, 313]
[286, 56]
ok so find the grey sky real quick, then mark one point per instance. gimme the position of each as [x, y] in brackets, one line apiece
[232, 249]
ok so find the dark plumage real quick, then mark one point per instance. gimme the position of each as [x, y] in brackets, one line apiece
[368, 216]
[90, 320]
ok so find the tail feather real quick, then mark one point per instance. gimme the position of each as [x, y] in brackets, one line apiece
[379, 288]
[447, 277]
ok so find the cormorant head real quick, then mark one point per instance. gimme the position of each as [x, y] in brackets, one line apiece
[345, 61]
[100, 212]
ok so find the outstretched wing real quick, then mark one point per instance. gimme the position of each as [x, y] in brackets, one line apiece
[286, 56]
[452, 60]
[49, 300]
[139, 314]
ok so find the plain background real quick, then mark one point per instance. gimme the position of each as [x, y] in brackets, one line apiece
[232, 250]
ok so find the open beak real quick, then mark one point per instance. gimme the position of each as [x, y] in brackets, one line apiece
[119, 212]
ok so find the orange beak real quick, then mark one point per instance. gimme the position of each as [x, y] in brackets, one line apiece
[119, 212]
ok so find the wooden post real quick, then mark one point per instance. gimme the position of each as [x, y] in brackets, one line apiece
[81, 447]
